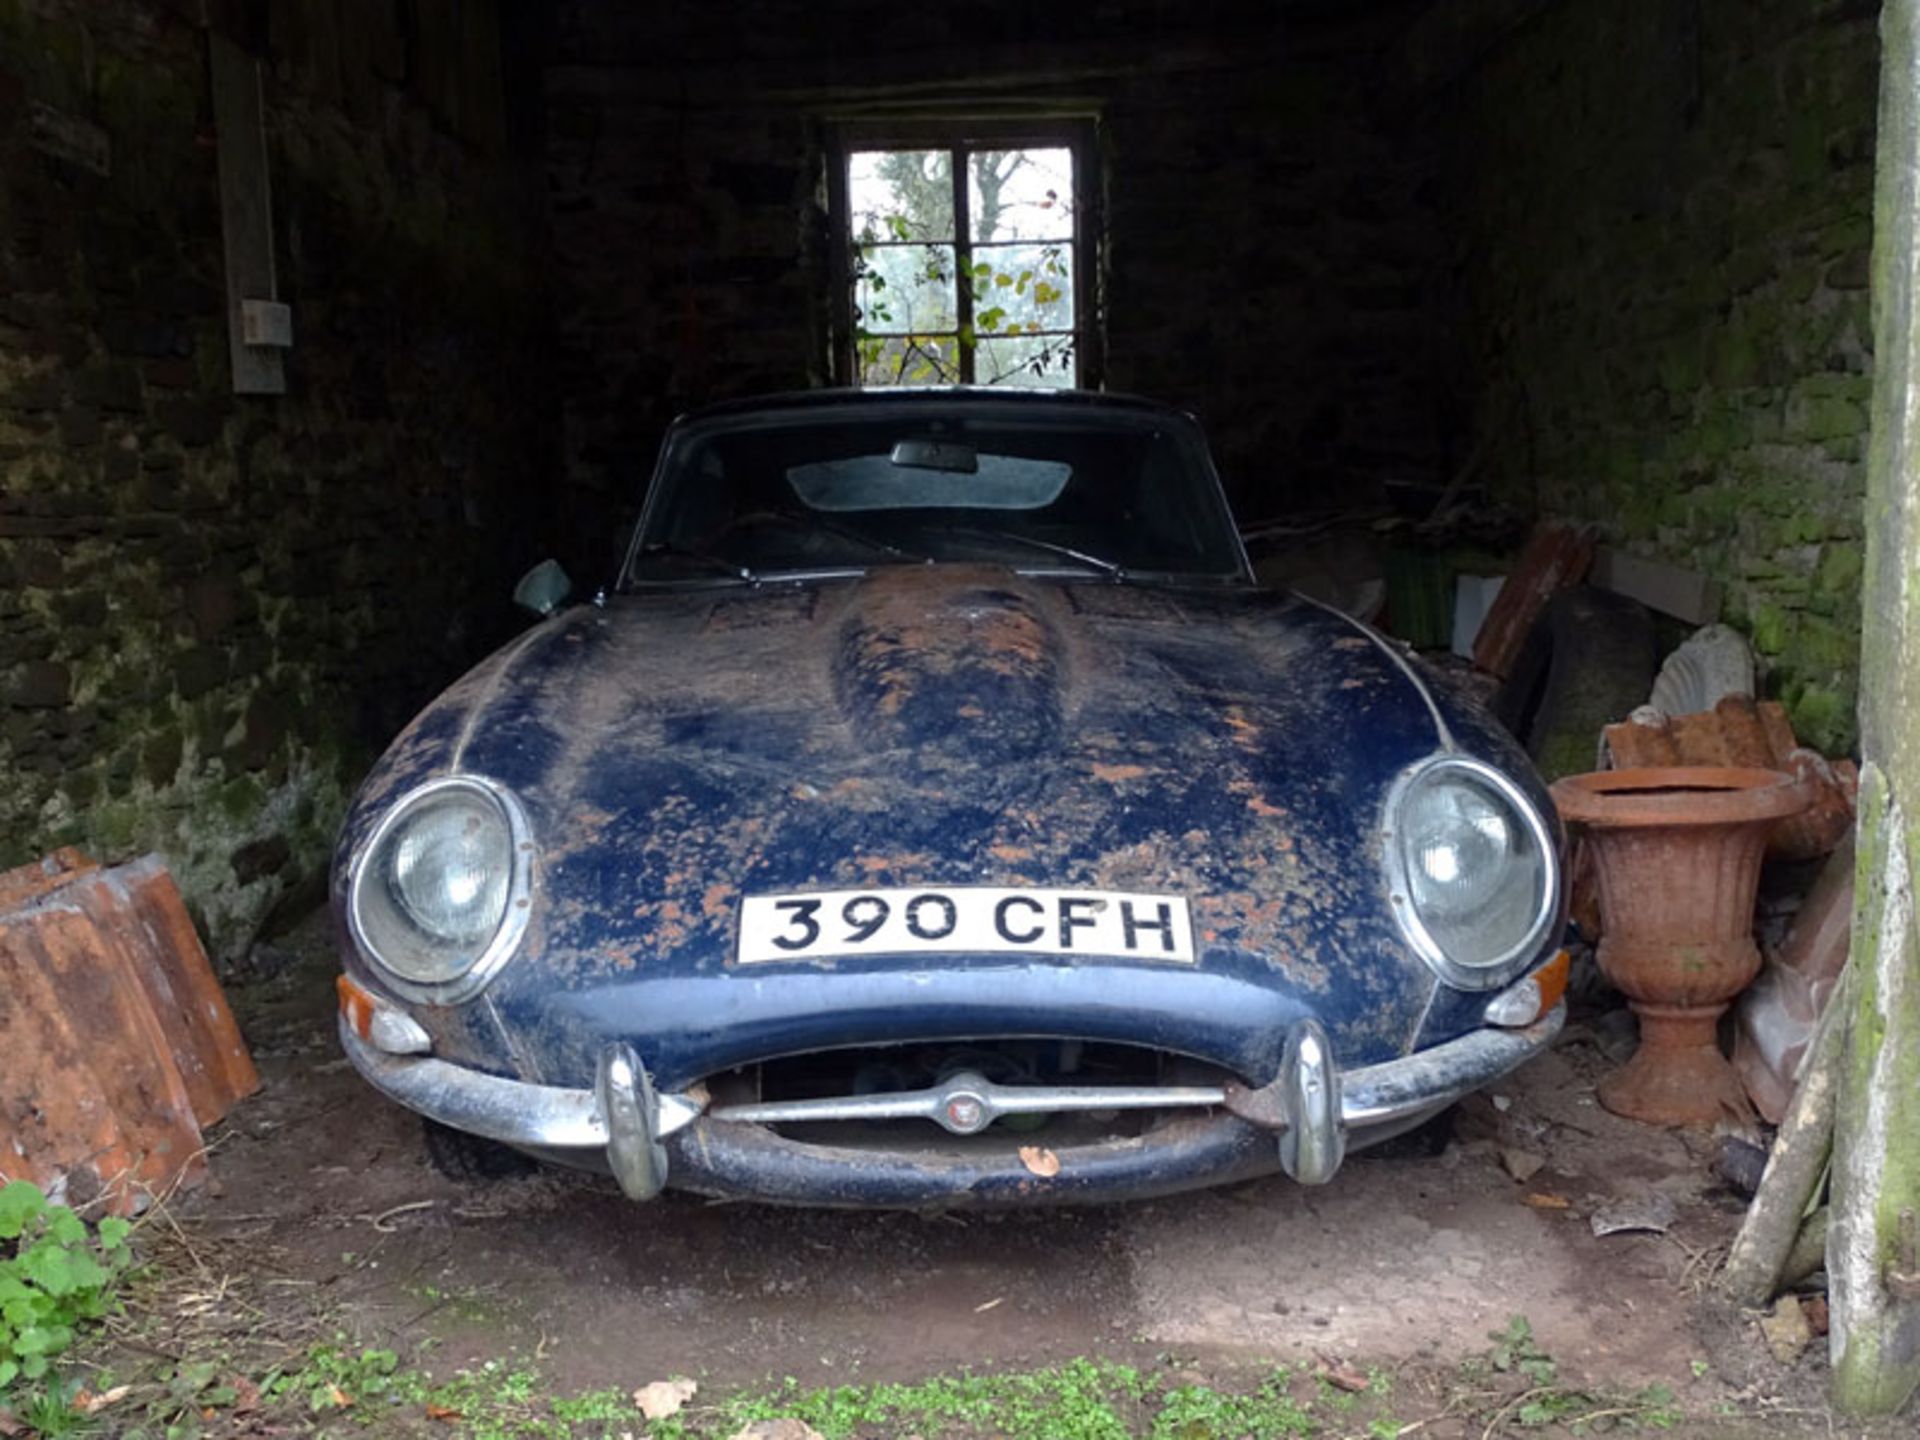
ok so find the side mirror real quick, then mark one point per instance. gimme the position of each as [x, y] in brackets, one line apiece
[544, 588]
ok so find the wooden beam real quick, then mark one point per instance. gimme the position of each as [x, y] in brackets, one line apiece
[1684, 594]
[1875, 1336]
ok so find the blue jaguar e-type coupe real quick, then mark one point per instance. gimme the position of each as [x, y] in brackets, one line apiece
[933, 812]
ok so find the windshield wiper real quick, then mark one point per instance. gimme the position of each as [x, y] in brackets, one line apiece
[686, 552]
[859, 537]
[1112, 569]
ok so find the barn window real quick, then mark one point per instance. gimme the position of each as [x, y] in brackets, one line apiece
[964, 254]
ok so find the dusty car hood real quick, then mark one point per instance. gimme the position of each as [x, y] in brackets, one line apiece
[939, 726]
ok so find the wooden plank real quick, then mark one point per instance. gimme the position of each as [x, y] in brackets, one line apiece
[1555, 558]
[246, 211]
[1684, 594]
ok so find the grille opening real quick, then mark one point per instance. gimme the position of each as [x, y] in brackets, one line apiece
[1022, 1062]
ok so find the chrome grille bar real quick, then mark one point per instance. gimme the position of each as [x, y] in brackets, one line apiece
[967, 1103]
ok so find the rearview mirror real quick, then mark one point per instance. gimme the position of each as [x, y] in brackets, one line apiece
[544, 588]
[947, 455]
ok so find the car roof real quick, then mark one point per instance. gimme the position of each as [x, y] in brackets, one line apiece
[920, 395]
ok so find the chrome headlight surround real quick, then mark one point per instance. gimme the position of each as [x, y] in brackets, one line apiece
[367, 869]
[1482, 974]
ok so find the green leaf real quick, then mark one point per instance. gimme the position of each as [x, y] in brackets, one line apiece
[33, 1366]
[51, 1268]
[990, 318]
[42, 1340]
[65, 1228]
[20, 1202]
[8, 1369]
[114, 1232]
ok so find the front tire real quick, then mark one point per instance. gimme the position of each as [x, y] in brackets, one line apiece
[473, 1159]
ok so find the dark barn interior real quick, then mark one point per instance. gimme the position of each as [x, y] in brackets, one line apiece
[1594, 261]
[322, 321]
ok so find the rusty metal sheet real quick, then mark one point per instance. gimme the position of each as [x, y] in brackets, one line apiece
[29, 882]
[201, 1033]
[117, 1043]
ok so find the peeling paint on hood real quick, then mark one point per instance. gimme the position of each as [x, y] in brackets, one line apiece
[929, 726]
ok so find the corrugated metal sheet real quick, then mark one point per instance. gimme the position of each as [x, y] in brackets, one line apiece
[117, 1046]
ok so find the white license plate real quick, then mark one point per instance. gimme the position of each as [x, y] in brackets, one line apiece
[965, 918]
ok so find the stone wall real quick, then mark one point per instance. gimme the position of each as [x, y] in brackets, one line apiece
[214, 608]
[1270, 253]
[1660, 218]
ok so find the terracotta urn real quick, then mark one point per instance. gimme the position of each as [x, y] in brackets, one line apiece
[1678, 854]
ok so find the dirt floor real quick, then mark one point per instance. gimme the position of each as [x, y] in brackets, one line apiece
[323, 1199]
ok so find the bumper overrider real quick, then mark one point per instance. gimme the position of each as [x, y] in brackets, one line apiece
[1303, 1123]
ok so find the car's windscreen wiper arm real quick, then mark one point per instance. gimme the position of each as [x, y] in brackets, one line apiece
[860, 537]
[1112, 569]
[687, 552]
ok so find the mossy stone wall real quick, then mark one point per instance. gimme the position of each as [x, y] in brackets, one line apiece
[214, 609]
[1661, 216]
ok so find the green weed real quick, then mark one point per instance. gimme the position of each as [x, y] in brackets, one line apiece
[55, 1276]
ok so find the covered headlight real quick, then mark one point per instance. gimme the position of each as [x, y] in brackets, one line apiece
[439, 896]
[1475, 879]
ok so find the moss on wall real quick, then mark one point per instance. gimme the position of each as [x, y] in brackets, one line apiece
[1662, 219]
[214, 609]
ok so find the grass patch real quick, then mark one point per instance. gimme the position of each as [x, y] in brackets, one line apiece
[336, 1388]
[205, 1351]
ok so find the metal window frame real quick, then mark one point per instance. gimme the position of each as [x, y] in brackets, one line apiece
[961, 137]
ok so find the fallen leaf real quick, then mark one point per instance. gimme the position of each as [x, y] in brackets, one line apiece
[664, 1397]
[442, 1412]
[1819, 1318]
[338, 1398]
[1522, 1165]
[1637, 1212]
[1543, 1200]
[246, 1395]
[86, 1402]
[785, 1428]
[10, 1425]
[1040, 1160]
[1341, 1377]
[1786, 1329]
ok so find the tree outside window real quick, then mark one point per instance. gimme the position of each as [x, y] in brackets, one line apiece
[964, 259]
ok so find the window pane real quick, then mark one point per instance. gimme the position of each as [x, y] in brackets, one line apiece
[1046, 360]
[1022, 287]
[901, 194]
[910, 360]
[902, 289]
[1021, 194]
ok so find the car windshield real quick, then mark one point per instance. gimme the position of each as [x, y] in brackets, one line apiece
[848, 486]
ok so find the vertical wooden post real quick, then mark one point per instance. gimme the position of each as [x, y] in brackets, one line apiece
[1875, 1338]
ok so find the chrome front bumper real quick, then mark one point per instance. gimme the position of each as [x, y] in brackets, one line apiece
[1312, 1107]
